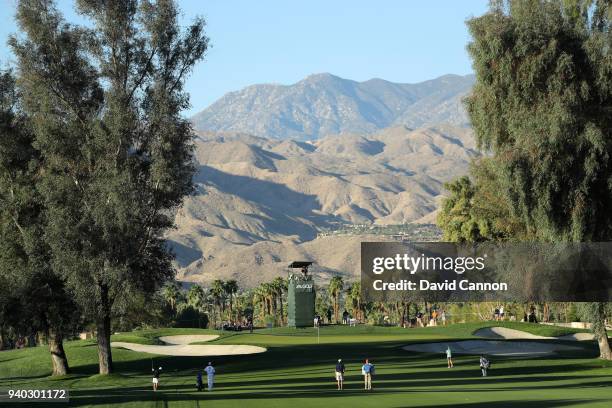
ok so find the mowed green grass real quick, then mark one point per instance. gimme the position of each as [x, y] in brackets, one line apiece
[298, 371]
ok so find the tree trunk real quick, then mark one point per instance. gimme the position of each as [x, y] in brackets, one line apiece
[58, 356]
[105, 357]
[336, 308]
[599, 330]
[604, 347]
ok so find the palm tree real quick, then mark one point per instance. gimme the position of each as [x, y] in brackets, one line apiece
[259, 298]
[231, 287]
[269, 295]
[196, 297]
[336, 284]
[354, 294]
[172, 293]
[217, 290]
[279, 285]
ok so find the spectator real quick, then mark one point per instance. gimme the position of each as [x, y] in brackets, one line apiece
[419, 319]
[345, 317]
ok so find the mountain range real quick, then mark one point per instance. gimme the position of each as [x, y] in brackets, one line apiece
[324, 104]
[261, 202]
[284, 171]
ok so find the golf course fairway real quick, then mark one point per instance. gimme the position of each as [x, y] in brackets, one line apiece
[297, 370]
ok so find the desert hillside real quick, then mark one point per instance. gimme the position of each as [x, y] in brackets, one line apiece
[261, 202]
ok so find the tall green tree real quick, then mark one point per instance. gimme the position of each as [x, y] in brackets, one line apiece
[336, 285]
[172, 294]
[217, 291]
[196, 297]
[230, 287]
[35, 299]
[354, 295]
[476, 208]
[542, 103]
[279, 284]
[106, 102]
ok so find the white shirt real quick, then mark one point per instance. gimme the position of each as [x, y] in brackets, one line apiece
[210, 370]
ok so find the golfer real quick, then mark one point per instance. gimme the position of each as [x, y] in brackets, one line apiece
[210, 374]
[449, 357]
[156, 372]
[199, 380]
[367, 370]
[340, 374]
[484, 365]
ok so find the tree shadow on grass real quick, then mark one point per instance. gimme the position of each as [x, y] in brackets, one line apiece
[383, 354]
[522, 404]
[115, 396]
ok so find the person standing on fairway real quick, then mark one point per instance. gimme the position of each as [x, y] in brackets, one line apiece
[449, 357]
[340, 374]
[210, 374]
[484, 365]
[199, 380]
[156, 372]
[367, 370]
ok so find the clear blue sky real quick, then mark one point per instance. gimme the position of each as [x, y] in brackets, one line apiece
[283, 41]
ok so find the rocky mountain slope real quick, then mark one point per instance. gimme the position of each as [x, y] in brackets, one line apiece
[262, 202]
[325, 104]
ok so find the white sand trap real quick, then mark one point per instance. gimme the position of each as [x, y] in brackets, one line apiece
[491, 348]
[179, 346]
[508, 334]
[511, 334]
[188, 338]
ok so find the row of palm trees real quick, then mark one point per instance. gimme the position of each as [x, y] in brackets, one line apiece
[353, 300]
[269, 298]
[266, 303]
[217, 301]
[225, 301]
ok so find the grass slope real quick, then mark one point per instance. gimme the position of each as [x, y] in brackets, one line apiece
[298, 371]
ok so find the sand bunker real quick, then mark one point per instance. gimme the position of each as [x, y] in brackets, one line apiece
[180, 346]
[508, 334]
[492, 347]
[511, 334]
[188, 338]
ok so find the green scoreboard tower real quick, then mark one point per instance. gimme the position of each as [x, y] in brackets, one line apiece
[301, 296]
